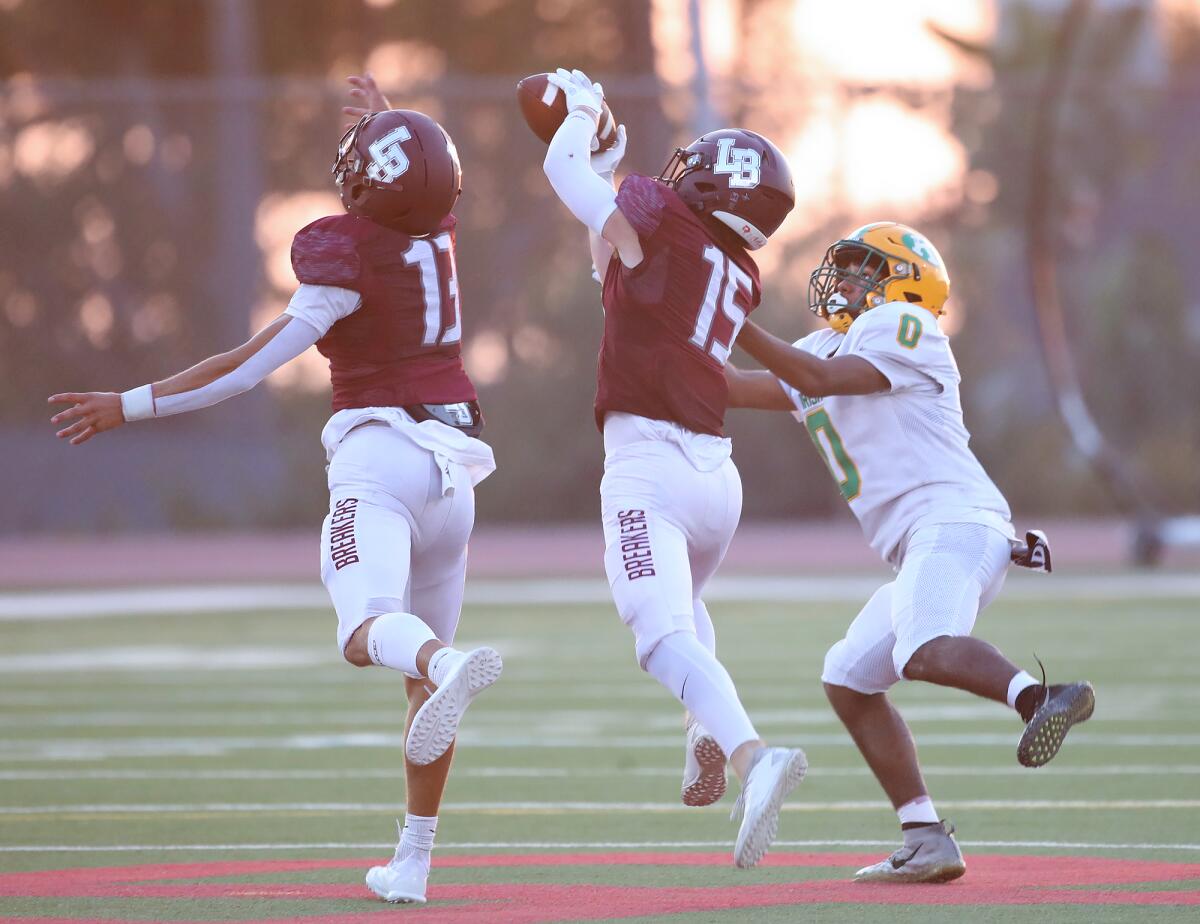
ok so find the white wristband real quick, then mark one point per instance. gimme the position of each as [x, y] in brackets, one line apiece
[137, 403]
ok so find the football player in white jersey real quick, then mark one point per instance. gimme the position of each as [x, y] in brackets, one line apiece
[878, 393]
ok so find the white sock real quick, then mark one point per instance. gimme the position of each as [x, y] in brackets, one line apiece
[1021, 681]
[394, 640]
[416, 840]
[918, 811]
[690, 671]
[443, 661]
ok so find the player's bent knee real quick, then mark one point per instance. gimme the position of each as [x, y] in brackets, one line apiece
[355, 651]
[926, 663]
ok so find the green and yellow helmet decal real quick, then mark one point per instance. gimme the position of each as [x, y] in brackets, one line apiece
[878, 263]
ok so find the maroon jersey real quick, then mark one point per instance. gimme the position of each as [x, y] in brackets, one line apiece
[401, 347]
[669, 322]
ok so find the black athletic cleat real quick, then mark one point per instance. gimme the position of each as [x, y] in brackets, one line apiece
[1065, 704]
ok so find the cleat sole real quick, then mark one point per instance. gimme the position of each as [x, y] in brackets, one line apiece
[762, 834]
[1048, 728]
[709, 787]
[436, 722]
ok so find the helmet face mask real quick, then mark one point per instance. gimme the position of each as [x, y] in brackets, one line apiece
[738, 179]
[848, 267]
[681, 163]
[878, 263]
[399, 169]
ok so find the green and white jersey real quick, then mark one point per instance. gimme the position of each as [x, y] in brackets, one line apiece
[900, 457]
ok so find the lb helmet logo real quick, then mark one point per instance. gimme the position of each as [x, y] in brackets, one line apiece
[744, 165]
[388, 160]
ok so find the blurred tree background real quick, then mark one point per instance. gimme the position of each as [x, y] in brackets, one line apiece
[156, 158]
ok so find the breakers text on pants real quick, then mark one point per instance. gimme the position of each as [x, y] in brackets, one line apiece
[636, 555]
[342, 548]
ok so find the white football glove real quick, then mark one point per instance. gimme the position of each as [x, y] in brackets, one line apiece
[581, 94]
[605, 163]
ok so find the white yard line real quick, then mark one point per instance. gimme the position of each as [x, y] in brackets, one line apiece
[66, 749]
[217, 598]
[553, 845]
[546, 807]
[544, 720]
[544, 773]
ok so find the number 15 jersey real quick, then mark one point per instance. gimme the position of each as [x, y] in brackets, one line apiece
[669, 322]
[900, 457]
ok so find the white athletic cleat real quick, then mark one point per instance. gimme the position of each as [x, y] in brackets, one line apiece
[703, 768]
[775, 773]
[436, 722]
[399, 881]
[930, 854]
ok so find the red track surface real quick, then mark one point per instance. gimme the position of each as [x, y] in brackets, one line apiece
[991, 880]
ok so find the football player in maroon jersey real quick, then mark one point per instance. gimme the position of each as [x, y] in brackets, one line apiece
[673, 254]
[379, 298]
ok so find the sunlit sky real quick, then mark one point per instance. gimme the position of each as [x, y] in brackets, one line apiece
[860, 155]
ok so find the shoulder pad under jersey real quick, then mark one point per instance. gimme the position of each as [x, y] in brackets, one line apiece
[642, 201]
[899, 337]
[325, 253]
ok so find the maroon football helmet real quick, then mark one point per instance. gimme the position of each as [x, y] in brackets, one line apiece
[400, 169]
[737, 177]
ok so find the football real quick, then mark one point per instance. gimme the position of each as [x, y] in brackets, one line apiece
[544, 108]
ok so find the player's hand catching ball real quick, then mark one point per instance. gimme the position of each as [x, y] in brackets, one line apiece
[366, 96]
[92, 412]
[580, 93]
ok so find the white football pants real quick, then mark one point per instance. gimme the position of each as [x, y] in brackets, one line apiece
[949, 573]
[395, 539]
[667, 525]
[670, 501]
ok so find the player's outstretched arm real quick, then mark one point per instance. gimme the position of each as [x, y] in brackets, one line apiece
[365, 97]
[756, 389]
[568, 168]
[204, 384]
[811, 375]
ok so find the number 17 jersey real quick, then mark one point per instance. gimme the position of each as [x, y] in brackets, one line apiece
[669, 322]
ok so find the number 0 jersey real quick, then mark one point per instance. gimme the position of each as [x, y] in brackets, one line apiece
[669, 321]
[901, 457]
[401, 345]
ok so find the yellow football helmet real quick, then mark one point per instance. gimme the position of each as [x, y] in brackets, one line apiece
[879, 263]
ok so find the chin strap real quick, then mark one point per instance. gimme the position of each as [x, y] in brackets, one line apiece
[841, 321]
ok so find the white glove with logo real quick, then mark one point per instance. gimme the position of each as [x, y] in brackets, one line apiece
[605, 163]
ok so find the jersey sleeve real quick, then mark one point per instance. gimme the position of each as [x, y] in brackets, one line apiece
[642, 202]
[323, 306]
[809, 344]
[326, 254]
[904, 343]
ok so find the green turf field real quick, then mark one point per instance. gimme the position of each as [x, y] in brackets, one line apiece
[237, 743]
